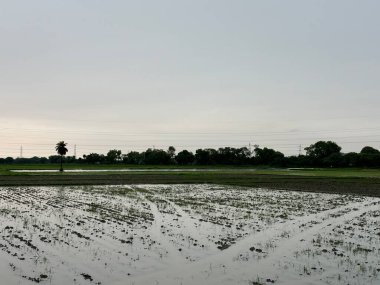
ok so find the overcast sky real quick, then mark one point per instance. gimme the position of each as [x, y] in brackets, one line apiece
[201, 73]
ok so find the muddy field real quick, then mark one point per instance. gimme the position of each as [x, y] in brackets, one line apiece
[186, 234]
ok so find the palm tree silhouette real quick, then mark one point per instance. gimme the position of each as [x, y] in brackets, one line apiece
[62, 150]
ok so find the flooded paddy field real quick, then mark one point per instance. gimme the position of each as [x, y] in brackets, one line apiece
[186, 234]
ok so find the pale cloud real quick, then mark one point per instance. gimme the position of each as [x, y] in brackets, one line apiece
[141, 73]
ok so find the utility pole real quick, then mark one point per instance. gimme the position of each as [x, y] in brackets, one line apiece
[300, 150]
[75, 151]
[21, 151]
[250, 150]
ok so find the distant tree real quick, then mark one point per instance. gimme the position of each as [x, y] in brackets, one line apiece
[369, 150]
[369, 157]
[54, 158]
[133, 157]
[206, 156]
[351, 159]
[113, 155]
[268, 156]
[295, 161]
[185, 157]
[9, 160]
[322, 149]
[94, 158]
[43, 160]
[156, 156]
[70, 159]
[171, 152]
[32, 160]
[233, 156]
[226, 155]
[333, 160]
[319, 152]
[202, 157]
[243, 155]
[61, 150]
[21, 160]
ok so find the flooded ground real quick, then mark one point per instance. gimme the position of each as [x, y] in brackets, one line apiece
[186, 234]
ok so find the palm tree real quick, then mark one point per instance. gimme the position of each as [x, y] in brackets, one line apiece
[62, 150]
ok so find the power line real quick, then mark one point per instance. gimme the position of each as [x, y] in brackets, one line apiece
[289, 146]
[122, 121]
[237, 142]
[206, 133]
[217, 139]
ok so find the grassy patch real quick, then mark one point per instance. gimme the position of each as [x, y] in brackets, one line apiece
[358, 181]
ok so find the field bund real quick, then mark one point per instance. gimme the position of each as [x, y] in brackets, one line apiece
[347, 181]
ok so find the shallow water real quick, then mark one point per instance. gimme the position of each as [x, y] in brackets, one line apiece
[186, 234]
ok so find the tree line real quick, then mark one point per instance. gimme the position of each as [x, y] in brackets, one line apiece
[319, 154]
